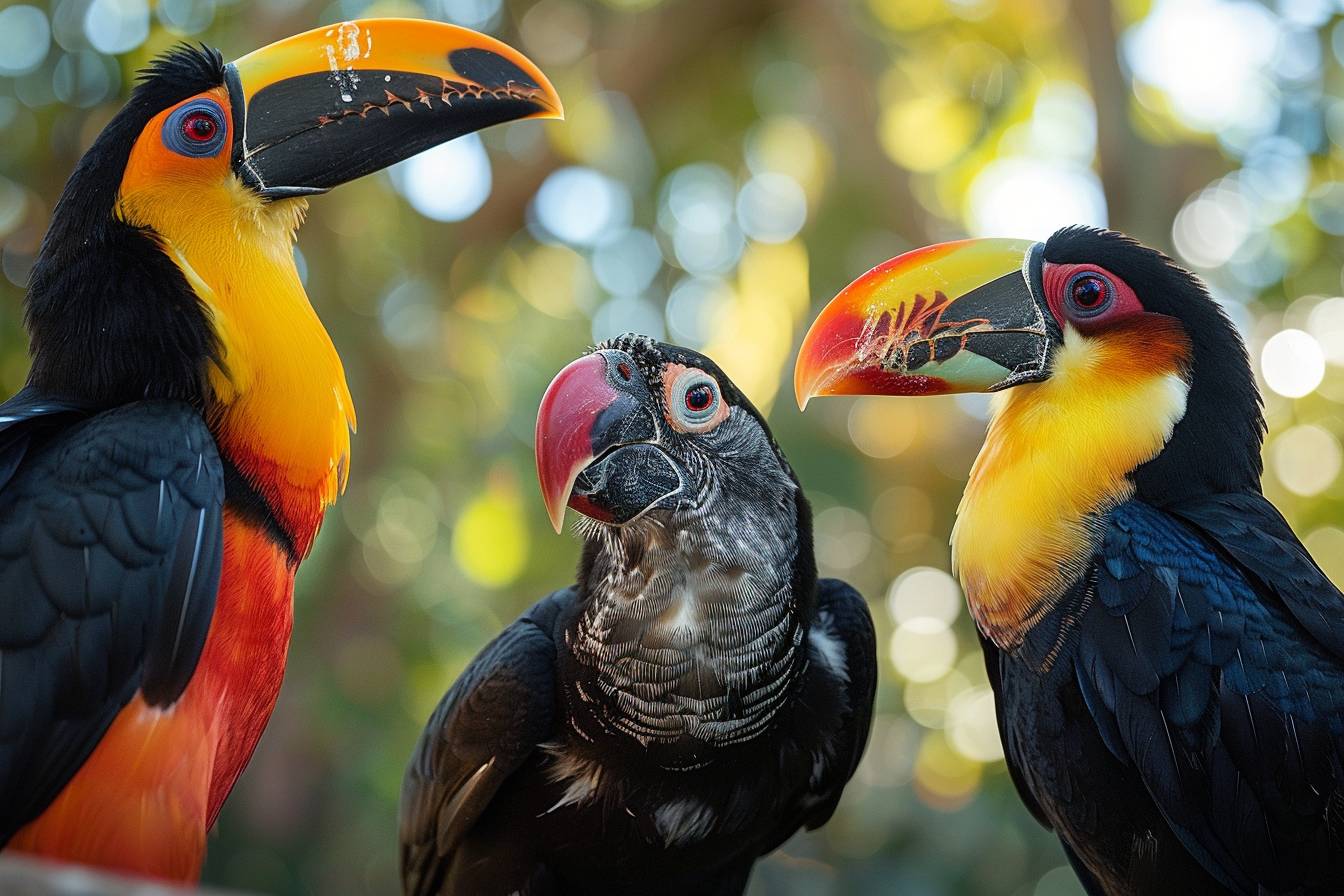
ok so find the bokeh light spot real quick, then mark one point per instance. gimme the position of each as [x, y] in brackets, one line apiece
[116, 26]
[185, 16]
[13, 206]
[479, 14]
[944, 778]
[924, 132]
[581, 206]
[448, 182]
[1207, 56]
[693, 306]
[627, 314]
[490, 540]
[25, 37]
[924, 592]
[1326, 546]
[1292, 363]
[877, 432]
[843, 539]
[1306, 459]
[923, 649]
[972, 725]
[771, 207]
[626, 263]
[1032, 198]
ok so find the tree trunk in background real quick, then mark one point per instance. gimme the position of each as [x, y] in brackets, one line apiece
[1145, 184]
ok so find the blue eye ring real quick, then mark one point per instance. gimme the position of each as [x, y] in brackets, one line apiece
[196, 129]
[1104, 297]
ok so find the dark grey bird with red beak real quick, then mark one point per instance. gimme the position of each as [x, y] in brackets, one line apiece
[692, 701]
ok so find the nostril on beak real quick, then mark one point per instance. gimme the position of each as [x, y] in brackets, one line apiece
[623, 371]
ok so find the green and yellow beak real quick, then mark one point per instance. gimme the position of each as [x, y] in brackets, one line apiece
[966, 316]
[335, 103]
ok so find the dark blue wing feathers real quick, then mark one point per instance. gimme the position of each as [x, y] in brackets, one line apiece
[1252, 533]
[1211, 672]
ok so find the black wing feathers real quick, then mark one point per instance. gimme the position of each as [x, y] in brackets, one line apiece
[993, 670]
[846, 615]
[24, 418]
[110, 548]
[491, 720]
[838, 707]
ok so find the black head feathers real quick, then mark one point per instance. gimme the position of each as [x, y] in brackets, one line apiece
[651, 355]
[1215, 448]
[110, 317]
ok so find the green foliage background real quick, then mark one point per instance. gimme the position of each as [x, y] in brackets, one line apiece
[898, 123]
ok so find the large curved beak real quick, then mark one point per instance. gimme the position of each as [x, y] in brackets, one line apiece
[967, 316]
[597, 442]
[335, 103]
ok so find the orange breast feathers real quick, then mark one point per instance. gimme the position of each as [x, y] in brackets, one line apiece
[144, 800]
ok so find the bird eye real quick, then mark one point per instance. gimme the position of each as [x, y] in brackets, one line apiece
[694, 402]
[195, 129]
[699, 398]
[200, 127]
[1089, 294]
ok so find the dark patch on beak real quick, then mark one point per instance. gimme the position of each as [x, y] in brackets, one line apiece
[957, 317]
[485, 67]
[331, 105]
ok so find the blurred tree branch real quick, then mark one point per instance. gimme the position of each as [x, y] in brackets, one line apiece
[843, 50]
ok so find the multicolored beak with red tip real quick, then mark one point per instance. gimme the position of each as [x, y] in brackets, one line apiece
[598, 442]
[966, 316]
[327, 106]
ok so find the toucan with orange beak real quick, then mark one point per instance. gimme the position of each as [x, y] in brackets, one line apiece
[186, 423]
[1167, 659]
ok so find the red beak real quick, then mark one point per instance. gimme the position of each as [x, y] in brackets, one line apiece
[569, 409]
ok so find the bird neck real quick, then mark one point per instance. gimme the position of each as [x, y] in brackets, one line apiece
[690, 632]
[278, 403]
[1057, 455]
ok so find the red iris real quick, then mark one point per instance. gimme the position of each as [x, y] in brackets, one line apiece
[699, 398]
[199, 127]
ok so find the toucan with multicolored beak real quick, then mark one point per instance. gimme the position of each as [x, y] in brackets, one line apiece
[186, 423]
[1167, 659]
[695, 698]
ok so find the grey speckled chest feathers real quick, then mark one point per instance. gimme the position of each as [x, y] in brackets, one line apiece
[693, 628]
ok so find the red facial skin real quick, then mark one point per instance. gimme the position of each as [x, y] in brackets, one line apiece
[1057, 278]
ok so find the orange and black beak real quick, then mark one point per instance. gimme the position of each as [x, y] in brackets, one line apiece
[967, 316]
[599, 442]
[327, 106]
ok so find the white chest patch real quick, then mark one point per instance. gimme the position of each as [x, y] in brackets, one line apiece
[829, 647]
[581, 777]
[683, 821]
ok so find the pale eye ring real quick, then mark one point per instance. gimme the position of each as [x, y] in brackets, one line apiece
[694, 401]
[195, 129]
